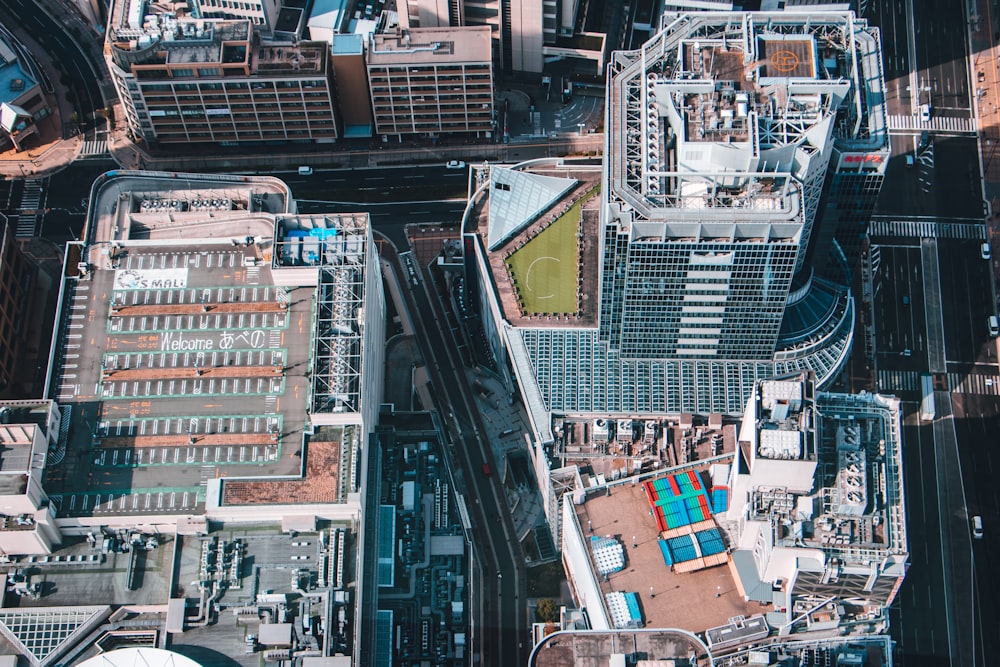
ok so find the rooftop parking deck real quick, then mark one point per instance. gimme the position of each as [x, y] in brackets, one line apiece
[176, 362]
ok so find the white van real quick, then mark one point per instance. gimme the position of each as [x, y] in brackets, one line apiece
[305, 171]
[993, 324]
[977, 527]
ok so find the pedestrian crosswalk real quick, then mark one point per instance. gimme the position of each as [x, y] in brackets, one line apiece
[95, 147]
[974, 383]
[892, 381]
[962, 383]
[935, 124]
[27, 215]
[927, 229]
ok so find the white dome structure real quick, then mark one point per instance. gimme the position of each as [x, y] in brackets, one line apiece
[141, 656]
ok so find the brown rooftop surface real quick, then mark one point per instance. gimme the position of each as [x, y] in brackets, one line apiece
[588, 251]
[787, 58]
[178, 373]
[320, 484]
[194, 308]
[691, 601]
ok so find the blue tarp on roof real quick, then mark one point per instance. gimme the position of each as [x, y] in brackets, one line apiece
[720, 499]
[710, 542]
[665, 550]
[682, 548]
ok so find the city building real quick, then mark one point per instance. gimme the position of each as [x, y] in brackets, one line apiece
[217, 361]
[736, 144]
[804, 507]
[28, 430]
[427, 81]
[526, 34]
[701, 257]
[22, 102]
[17, 275]
[259, 12]
[347, 57]
[642, 647]
[516, 26]
[817, 516]
[183, 78]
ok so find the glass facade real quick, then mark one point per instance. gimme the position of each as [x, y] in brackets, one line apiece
[682, 299]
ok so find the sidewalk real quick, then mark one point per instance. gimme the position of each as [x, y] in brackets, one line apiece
[985, 59]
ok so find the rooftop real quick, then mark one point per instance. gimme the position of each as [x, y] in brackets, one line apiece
[720, 94]
[186, 358]
[14, 80]
[515, 208]
[594, 649]
[668, 598]
[452, 46]
[850, 502]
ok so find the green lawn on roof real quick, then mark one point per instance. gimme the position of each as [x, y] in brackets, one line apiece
[546, 270]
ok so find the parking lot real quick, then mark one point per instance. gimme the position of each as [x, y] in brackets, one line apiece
[174, 365]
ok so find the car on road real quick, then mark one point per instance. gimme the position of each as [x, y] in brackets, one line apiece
[305, 171]
[486, 469]
[984, 250]
[993, 324]
[977, 527]
[455, 164]
[925, 113]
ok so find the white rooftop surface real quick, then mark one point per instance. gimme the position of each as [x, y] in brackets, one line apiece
[143, 656]
[780, 444]
[777, 390]
[518, 198]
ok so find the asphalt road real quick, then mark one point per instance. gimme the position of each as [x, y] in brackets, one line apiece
[919, 616]
[393, 197]
[967, 300]
[893, 20]
[978, 432]
[502, 627]
[900, 342]
[64, 51]
[924, 44]
[942, 56]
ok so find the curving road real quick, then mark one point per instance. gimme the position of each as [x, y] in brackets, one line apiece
[83, 74]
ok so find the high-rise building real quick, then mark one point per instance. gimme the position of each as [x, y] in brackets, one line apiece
[521, 29]
[432, 80]
[182, 78]
[17, 275]
[736, 145]
[817, 513]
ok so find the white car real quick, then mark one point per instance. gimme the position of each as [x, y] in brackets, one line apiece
[984, 250]
[455, 164]
[925, 113]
